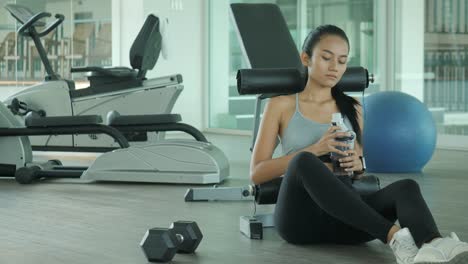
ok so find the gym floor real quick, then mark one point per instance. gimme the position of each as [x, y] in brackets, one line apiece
[60, 222]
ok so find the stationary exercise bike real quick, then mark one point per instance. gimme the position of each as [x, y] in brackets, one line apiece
[120, 89]
[169, 161]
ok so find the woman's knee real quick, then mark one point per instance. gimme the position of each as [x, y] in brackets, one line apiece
[306, 164]
[408, 186]
[303, 161]
[304, 158]
[302, 164]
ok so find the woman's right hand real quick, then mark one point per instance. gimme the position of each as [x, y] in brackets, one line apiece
[328, 144]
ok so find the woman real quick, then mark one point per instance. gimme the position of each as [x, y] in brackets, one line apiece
[314, 206]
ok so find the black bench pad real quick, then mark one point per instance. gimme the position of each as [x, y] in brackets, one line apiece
[114, 119]
[61, 121]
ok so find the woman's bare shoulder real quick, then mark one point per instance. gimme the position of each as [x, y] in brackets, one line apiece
[283, 102]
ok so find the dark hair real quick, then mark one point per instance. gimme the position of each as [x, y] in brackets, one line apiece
[346, 104]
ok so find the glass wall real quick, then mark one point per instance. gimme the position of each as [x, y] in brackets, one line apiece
[227, 109]
[356, 18]
[431, 40]
[445, 64]
[8, 45]
[84, 38]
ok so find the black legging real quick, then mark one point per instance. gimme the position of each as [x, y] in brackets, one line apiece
[314, 206]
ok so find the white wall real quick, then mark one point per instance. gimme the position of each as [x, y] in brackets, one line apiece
[219, 60]
[127, 19]
[409, 68]
[186, 42]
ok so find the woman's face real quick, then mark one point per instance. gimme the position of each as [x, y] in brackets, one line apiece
[328, 61]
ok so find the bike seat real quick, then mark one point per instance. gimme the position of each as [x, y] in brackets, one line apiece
[119, 72]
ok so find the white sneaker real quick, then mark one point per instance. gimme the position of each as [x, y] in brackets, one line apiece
[403, 246]
[443, 250]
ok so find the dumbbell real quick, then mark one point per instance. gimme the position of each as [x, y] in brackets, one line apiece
[161, 244]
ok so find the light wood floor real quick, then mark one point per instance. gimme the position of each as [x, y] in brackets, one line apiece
[103, 223]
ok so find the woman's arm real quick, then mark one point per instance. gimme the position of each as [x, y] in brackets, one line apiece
[262, 167]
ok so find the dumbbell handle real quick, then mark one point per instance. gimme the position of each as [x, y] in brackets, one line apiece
[180, 238]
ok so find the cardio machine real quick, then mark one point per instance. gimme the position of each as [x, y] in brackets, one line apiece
[120, 89]
[168, 161]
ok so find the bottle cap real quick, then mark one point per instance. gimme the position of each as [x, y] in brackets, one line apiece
[337, 118]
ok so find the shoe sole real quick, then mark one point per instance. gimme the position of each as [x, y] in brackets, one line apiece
[461, 258]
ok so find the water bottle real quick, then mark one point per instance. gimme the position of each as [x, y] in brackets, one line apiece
[337, 120]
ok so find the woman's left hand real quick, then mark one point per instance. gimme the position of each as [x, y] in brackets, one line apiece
[352, 162]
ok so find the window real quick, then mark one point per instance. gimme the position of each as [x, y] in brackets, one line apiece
[445, 64]
[227, 109]
[356, 18]
[84, 38]
[431, 60]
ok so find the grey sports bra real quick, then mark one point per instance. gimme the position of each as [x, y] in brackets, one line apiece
[302, 131]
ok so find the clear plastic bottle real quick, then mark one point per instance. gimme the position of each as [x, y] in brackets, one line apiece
[337, 120]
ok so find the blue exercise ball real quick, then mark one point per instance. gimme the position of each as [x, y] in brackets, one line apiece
[399, 133]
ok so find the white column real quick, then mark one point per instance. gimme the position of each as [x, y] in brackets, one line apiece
[116, 32]
[186, 54]
[409, 64]
[219, 12]
[127, 19]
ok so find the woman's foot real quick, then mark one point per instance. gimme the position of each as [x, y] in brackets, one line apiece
[403, 246]
[443, 250]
